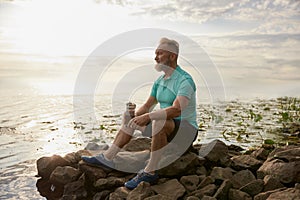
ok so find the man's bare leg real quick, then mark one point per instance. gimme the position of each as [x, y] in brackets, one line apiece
[160, 131]
[123, 137]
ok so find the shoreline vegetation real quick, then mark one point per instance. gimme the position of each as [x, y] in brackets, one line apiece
[270, 169]
[247, 124]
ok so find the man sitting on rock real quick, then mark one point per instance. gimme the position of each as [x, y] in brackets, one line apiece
[174, 121]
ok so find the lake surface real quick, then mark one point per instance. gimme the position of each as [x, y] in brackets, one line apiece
[35, 126]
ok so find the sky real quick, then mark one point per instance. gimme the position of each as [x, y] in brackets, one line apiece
[254, 44]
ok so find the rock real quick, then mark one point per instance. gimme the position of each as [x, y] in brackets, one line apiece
[260, 154]
[283, 165]
[245, 162]
[208, 190]
[138, 144]
[75, 191]
[92, 173]
[120, 193]
[216, 152]
[180, 166]
[208, 198]
[283, 149]
[142, 191]
[80, 153]
[235, 148]
[131, 162]
[222, 192]
[72, 158]
[91, 146]
[242, 178]
[159, 197]
[46, 165]
[190, 182]
[201, 171]
[101, 195]
[219, 173]
[254, 187]
[108, 183]
[197, 193]
[192, 198]
[238, 195]
[206, 181]
[64, 175]
[290, 193]
[271, 183]
[47, 189]
[171, 188]
[265, 195]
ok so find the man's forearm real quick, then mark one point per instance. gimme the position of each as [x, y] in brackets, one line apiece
[142, 110]
[167, 113]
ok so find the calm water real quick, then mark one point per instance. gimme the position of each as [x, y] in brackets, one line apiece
[35, 126]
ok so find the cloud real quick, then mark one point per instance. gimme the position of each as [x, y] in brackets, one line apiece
[255, 56]
[272, 16]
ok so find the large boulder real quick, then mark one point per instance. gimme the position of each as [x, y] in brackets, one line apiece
[92, 173]
[64, 175]
[184, 165]
[271, 183]
[265, 195]
[283, 164]
[131, 162]
[208, 190]
[142, 191]
[254, 187]
[261, 153]
[216, 152]
[242, 178]
[138, 144]
[220, 173]
[245, 162]
[238, 195]
[206, 181]
[119, 193]
[46, 165]
[171, 188]
[222, 192]
[108, 183]
[190, 182]
[290, 193]
[75, 190]
[101, 195]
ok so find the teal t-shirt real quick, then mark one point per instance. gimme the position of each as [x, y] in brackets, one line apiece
[180, 83]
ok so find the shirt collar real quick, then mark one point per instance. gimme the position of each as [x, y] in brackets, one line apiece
[175, 73]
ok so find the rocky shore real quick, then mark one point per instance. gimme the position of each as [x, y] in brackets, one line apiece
[209, 171]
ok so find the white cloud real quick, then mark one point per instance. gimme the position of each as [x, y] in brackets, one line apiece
[271, 16]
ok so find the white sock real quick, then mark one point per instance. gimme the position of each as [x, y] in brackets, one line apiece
[111, 152]
[152, 165]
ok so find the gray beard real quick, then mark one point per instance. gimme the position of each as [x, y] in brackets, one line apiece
[161, 67]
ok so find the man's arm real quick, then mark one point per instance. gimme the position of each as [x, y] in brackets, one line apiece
[147, 106]
[171, 112]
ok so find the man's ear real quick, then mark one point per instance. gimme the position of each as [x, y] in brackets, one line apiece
[173, 56]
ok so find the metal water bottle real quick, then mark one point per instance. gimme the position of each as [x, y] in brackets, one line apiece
[129, 113]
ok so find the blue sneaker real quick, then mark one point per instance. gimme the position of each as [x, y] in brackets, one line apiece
[99, 161]
[141, 176]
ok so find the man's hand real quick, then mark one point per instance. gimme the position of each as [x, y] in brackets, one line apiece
[139, 121]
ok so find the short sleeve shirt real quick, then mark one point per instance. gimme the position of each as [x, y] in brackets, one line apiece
[180, 83]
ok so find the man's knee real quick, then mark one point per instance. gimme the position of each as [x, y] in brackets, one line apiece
[162, 126]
